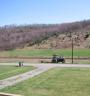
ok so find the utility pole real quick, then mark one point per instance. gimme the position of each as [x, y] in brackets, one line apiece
[72, 50]
[72, 45]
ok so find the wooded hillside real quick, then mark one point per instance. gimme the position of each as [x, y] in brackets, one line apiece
[12, 36]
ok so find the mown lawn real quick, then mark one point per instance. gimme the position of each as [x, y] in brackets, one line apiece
[44, 52]
[8, 71]
[55, 82]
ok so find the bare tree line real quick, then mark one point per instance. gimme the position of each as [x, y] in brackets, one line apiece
[12, 36]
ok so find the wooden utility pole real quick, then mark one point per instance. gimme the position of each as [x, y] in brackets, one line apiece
[72, 50]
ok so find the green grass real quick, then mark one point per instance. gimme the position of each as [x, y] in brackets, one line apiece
[55, 82]
[44, 52]
[8, 71]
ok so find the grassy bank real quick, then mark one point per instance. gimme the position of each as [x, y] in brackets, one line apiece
[56, 82]
[8, 71]
[45, 52]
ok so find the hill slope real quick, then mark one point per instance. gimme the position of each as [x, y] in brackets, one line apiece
[64, 41]
[45, 36]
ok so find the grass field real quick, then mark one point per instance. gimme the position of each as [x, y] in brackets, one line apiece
[8, 71]
[44, 52]
[55, 82]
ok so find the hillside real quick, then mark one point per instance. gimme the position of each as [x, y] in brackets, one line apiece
[63, 41]
[45, 36]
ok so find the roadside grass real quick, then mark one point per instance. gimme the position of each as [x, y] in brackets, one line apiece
[55, 82]
[45, 52]
[8, 71]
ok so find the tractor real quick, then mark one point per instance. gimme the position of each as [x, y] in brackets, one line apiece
[56, 59]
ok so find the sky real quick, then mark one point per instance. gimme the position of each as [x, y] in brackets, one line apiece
[21, 12]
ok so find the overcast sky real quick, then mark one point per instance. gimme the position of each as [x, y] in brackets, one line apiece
[43, 11]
